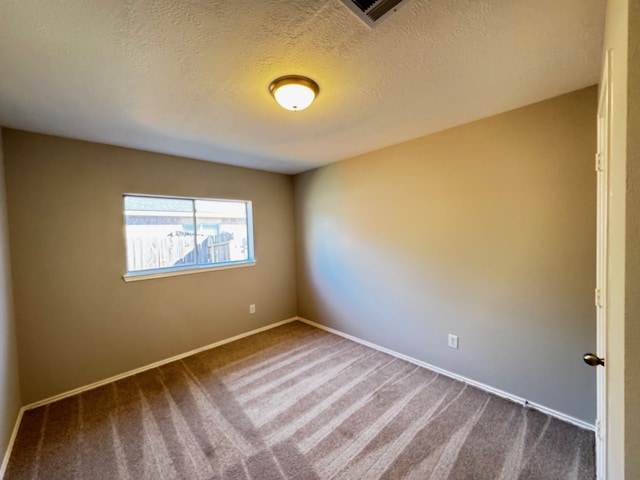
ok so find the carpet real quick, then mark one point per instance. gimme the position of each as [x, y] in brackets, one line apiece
[295, 402]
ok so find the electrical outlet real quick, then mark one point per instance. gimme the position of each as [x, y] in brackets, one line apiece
[252, 309]
[453, 341]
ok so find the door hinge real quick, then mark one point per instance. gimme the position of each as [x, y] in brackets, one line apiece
[598, 297]
[598, 162]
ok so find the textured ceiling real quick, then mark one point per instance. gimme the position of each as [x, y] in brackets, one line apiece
[191, 77]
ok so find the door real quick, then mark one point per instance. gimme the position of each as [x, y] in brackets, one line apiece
[601, 294]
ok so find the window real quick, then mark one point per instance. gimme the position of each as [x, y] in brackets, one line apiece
[175, 235]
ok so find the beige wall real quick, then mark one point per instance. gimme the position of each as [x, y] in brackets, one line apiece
[9, 386]
[77, 320]
[486, 231]
[632, 280]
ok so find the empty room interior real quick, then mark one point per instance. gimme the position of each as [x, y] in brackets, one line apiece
[428, 267]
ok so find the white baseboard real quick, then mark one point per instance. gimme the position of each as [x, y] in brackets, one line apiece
[554, 413]
[106, 381]
[12, 440]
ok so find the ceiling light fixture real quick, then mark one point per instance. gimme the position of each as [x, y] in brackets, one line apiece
[294, 92]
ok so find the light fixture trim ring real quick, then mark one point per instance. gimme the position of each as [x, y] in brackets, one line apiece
[294, 80]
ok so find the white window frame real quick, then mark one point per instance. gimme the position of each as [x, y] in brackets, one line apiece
[189, 269]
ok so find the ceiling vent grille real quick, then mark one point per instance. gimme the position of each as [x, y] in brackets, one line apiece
[373, 11]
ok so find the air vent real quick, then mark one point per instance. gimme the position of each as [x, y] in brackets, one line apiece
[372, 12]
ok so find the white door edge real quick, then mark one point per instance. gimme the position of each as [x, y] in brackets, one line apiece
[602, 294]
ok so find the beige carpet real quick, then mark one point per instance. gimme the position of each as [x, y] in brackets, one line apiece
[295, 402]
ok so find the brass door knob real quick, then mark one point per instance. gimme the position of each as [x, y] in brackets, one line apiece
[593, 360]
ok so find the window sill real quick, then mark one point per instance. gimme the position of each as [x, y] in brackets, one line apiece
[135, 277]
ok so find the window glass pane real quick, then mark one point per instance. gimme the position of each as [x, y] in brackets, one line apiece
[158, 204]
[159, 233]
[176, 234]
[222, 231]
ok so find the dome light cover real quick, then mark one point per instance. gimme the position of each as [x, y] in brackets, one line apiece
[294, 92]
